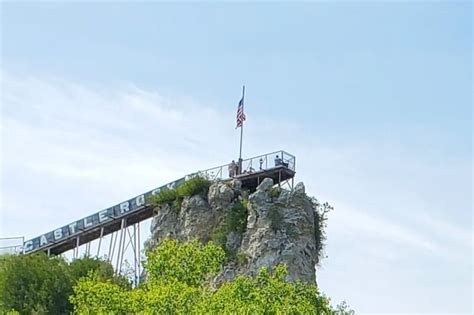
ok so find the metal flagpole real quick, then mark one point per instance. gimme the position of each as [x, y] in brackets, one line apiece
[241, 130]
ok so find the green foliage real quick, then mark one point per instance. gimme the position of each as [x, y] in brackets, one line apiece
[34, 284]
[237, 218]
[343, 309]
[174, 197]
[82, 267]
[93, 295]
[267, 293]
[241, 258]
[177, 284]
[235, 221]
[274, 192]
[219, 236]
[164, 196]
[189, 263]
[38, 284]
[320, 221]
[276, 219]
[194, 186]
[172, 297]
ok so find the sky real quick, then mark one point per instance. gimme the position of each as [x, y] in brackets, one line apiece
[102, 101]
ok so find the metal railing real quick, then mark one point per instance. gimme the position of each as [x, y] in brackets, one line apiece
[11, 245]
[254, 164]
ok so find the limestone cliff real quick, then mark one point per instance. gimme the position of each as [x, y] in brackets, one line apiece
[263, 228]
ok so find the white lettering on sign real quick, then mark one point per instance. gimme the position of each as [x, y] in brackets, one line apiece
[43, 240]
[72, 228]
[140, 200]
[103, 216]
[124, 207]
[87, 223]
[28, 246]
[58, 234]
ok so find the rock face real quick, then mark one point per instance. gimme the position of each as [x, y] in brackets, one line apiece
[279, 226]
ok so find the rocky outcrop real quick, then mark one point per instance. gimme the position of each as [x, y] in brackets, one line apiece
[265, 228]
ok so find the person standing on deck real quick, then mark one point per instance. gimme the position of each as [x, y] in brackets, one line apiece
[232, 168]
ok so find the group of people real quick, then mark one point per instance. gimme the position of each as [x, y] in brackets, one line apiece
[234, 167]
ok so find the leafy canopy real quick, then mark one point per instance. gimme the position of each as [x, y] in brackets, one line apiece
[36, 283]
[177, 283]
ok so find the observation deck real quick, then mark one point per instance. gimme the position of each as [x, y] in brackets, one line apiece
[278, 165]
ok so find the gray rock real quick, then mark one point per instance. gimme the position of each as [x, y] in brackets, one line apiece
[220, 195]
[293, 242]
[265, 185]
[233, 241]
[300, 189]
[236, 184]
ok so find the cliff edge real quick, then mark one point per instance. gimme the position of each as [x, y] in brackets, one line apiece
[263, 228]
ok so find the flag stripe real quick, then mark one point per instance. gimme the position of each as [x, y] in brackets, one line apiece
[240, 113]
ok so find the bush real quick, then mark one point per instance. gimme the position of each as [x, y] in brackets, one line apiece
[164, 196]
[237, 218]
[241, 258]
[274, 192]
[219, 236]
[195, 186]
[190, 263]
[235, 221]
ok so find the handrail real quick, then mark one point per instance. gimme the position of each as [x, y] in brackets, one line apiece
[253, 164]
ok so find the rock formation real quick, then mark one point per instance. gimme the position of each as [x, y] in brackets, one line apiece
[264, 228]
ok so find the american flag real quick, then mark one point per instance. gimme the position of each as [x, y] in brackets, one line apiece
[240, 113]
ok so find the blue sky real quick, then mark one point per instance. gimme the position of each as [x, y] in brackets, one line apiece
[101, 101]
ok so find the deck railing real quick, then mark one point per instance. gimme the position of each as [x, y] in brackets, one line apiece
[252, 165]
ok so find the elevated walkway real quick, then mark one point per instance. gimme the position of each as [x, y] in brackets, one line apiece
[279, 165]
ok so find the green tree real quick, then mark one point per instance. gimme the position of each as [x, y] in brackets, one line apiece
[267, 293]
[34, 284]
[178, 283]
[37, 283]
[190, 263]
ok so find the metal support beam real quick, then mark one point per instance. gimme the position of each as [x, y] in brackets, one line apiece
[100, 240]
[88, 249]
[138, 253]
[120, 249]
[76, 249]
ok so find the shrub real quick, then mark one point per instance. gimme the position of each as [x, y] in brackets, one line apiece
[164, 196]
[237, 218]
[235, 221]
[219, 236]
[274, 192]
[195, 186]
[241, 258]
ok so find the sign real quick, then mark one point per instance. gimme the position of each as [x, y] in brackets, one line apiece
[96, 220]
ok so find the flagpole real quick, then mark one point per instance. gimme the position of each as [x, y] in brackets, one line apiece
[242, 127]
[241, 131]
